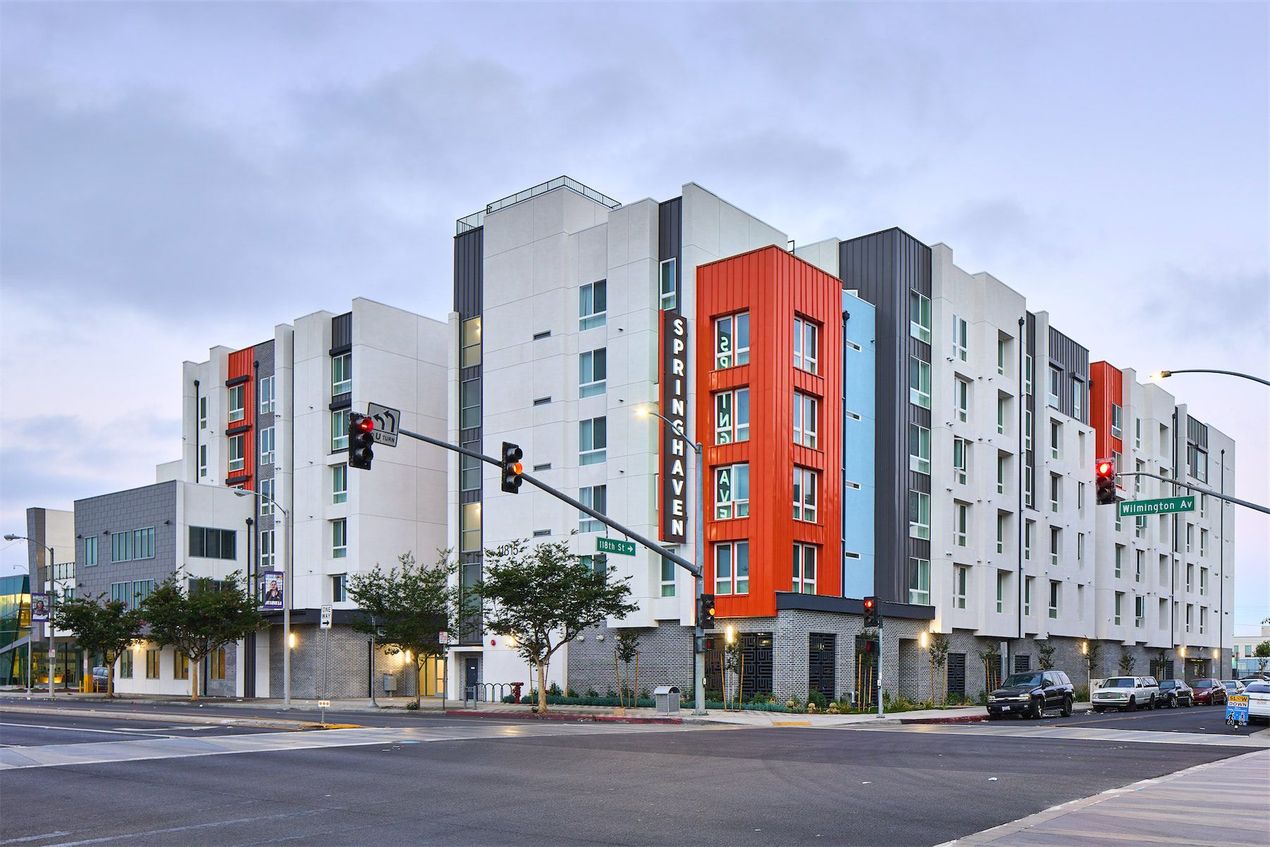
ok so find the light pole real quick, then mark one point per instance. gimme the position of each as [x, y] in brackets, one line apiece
[286, 591]
[699, 634]
[1162, 374]
[52, 594]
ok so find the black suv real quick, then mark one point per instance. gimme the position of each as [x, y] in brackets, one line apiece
[1176, 693]
[1032, 693]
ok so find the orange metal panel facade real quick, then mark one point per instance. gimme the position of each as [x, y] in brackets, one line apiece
[242, 363]
[774, 287]
[1106, 389]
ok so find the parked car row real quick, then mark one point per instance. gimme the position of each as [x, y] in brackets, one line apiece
[1031, 694]
[1258, 701]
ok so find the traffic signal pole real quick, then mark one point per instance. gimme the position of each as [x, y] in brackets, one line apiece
[1210, 492]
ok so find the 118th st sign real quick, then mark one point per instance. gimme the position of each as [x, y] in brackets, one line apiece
[604, 544]
[1163, 506]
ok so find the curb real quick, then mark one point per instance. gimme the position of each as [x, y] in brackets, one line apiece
[161, 717]
[954, 719]
[559, 716]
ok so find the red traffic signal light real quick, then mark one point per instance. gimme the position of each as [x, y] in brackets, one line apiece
[366, 424]
[1105, 483]
[869, 604]
[1105, 470]
[361, 440]
[872, 614]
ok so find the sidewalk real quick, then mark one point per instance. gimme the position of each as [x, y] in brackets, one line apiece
[963, 714]
[360, 704]
[1219, 803]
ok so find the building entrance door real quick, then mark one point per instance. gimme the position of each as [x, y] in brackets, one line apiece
[471, 677]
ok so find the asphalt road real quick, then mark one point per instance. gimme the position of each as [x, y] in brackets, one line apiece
[28, 730]
[746, 786]
[1210, 719]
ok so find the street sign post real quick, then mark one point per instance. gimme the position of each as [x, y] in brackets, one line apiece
[614, 545]
[1164, 506]
[387, 420]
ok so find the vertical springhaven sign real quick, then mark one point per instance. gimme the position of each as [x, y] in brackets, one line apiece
[674, 405]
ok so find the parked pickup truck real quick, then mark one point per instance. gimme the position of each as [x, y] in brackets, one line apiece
[1126, 693]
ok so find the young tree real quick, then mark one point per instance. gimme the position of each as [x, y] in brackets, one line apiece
[544, 596]
[938, 649]
[1262, 653]
[1127, 662]
[626, 650]
[991, 658]
[100, 626]
[199, 616]
[1045, 650]
[407, 608]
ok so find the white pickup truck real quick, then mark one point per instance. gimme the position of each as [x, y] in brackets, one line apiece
[1126, 693]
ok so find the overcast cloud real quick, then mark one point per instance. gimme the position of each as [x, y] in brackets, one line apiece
[1107, 161]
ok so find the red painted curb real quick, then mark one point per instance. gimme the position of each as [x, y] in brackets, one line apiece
[957, 719]
[560, 716]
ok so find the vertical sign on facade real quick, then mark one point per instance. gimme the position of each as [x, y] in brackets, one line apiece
[674, 405]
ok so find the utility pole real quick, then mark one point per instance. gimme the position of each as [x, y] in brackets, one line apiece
[52, 595]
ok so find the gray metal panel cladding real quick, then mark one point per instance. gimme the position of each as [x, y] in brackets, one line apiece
[469, 272]
[1074, 361]
[670, 239]
[1196, 433]
[883, 267]
[1029, 402]
[342, 331]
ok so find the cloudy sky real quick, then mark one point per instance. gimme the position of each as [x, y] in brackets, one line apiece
[1108, 161]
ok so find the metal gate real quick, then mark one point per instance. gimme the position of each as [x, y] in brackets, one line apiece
[1022, 664]
[822, 651]
[755, 664]
[957, 675]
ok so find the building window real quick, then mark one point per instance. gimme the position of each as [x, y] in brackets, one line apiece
[1197, 462]
[732, 568]
[1003, 470]
[918, 448]
[732, 491]
[732, 341]
[1119, 561]
[598, 563]
[1027, 594]
[1056, 546]
[237, 458]
[1078, 398]
[1116, 416]
[266, 497]
[1027, 431]
[341, 374]
[804, 495]
[1056, 440]
[667, 578]
[1137, 433]
[960, 338]
[470, 528]
[469, 403]
[207, 543]
[1027, 373]
[1203, 619]
[90, 551]
[961, 576]
[1002, 580]
[125, 664]
[180, 665]
[1056, 492]
[339, 538]
[667, 285]
[961, 389]
[1029, 529]
[339, 430]
[202, 460]
[1119, 608]
[1139, 565]
[339, 587]
[918, 514]
[805, 345]
[593, 304]
[1190, 578]
[594, 497]
[339, 483]
[919, 382]
[804, 569]
[732, 416]
[1080, 547]
[919, 582]
[1003, 354]
[961, 459]
[267, 550]
[237, 404]
[202, 413]
[1190, 537]
[805, 425]
[131, 594]
[1002, 407]
[470, 350]
[266, 446]
[593, 441]
[1080, 496]
[1056, 382]
[266, 395]
[216, 664]
[919, 317]
[1190, 614]
[132, 545]
[152, 663]
[469, 473]
[1003, 522]
[961, 525]
[1056, 588]
[1203, 543]
[592, 372]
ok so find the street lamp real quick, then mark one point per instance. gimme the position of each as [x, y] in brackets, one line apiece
[698, 641]
[1162, 374]
[52, 594]
[286, 591]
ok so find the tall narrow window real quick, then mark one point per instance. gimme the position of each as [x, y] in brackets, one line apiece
[918, 448]
[339, 430]
[1137, 433]
[918, 514]
[341, 374]
[90, 551]
[961, 576]
[1029, 529]
[1002, 580]
[1056, 492]
[1002, 414]
[732, 568]
[1056, 545]
[805, 495]
[595, 497]
[237, 458]
[805, 345]
[919, 382]
[266, 497]
[470, 355]
[732, 416]
[1027, 594]
[1003, 355]
[961, 393]
[805, 427]
[202, 460]
[961, 525]
[919, 582]
[1003, 522]
[1056, 440]
[339, 483]
[592, 372]
[1139, 565]
[1056, 382]
[593, 304]
[339, 587]
[667, 578]
[1116, 416]
[339, 538]
[1118, 561]
[1080, 547]
[919, 316]
[469, 403]
[469, 473]
[202, 413]
[593, 441]
[1056, 589]
[266, 446]
[1139, 611]
[266, 395]
[732, 491]
[267, 553]
[1118, 610]
[470, 528]
[237, 407]
[1078, 398]
[1003, 471]
[960, 338]
[732, 341]
[1027, 373]
[961, 460]
[667, 285]
[804, 569]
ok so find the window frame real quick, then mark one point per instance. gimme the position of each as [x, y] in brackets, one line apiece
[736, 430]
[595, 497]
[804, 435]
[342, 374]
[737, 355]
[339, 538]
[916, 527]
[919, 394]
[339, 430]
[960, 338]
[266, 391]
[237, 403]
[733, 584]
[961, 580]
[668, 272]
[803, 553]
[596, 317]
[339, 473]
[961, 524]
[470, 342]
[919, 317]
[805, 331]
[588, 451]
[733, 507]
[961, 459]
[597, 360]
[961, 398]
[268, 443]
[917, 462]
[470, 521]
[919, 581]
[805, 506]
[470, 403]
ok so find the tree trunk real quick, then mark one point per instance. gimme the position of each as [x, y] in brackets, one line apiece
[193, 679]
[110, 677]
[635, 696]
[617, 676]
[542, 688]
[418, 678]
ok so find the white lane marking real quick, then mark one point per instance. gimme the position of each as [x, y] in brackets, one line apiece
[188, 828]
[82, 729]
[59, 833]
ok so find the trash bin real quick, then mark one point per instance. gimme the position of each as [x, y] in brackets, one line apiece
[667, 699]
[390, 684]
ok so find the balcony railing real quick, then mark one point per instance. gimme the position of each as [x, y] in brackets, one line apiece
[477, 219]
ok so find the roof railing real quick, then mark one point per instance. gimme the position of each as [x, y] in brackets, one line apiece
[477, 219]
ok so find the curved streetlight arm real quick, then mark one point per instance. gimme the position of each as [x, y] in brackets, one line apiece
[678, 429]
[1163, 374]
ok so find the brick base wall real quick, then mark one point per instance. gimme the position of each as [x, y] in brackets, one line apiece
[346, 671]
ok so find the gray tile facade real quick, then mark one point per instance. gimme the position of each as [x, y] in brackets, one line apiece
[123, 511]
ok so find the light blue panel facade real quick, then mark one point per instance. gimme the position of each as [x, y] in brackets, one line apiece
[858, 427]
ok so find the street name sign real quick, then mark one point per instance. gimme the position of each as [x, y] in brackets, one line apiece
[1164, 506]
[614, 545]
[387, 420]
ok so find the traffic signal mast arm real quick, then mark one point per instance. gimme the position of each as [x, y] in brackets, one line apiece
[691, 568]
[1210, 492]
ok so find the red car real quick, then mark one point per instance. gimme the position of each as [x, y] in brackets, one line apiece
[1209, 692]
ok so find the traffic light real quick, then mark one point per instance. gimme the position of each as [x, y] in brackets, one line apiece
[1105, 484]
[361, 441]
[512, 468]
[872, 614]
[705, 612]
